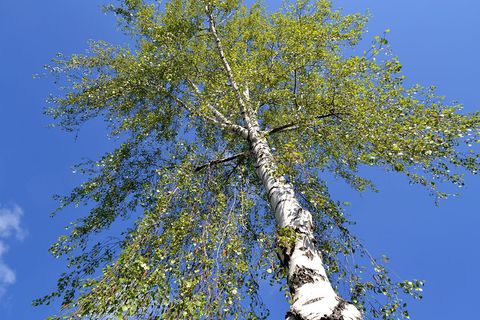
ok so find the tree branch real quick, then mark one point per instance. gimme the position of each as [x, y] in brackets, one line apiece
[193, 111]
[296, 125]
[226, 65]
[235, 128]
[219, 161]
[215, 111]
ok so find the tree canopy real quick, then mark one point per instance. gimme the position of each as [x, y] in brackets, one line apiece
[177, 223]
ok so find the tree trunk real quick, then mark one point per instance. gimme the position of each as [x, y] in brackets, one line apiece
[313, 297]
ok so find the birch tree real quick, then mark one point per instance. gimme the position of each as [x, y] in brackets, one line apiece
[230, 121]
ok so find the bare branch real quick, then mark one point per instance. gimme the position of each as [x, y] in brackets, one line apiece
[296, 125]
[219, 161]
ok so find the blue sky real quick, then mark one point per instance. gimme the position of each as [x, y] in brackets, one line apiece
[437, 42]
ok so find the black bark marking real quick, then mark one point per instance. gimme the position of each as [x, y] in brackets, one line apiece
[278, 203]
[269, 195]
[312, 301]
[309, 255]
[302, 276]
[337, 312]
[298, 218]
[263, 175]
[293, 316]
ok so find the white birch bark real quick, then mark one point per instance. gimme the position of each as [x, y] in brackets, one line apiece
[312, 293]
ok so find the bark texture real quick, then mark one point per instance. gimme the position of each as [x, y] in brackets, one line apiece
[312, 294]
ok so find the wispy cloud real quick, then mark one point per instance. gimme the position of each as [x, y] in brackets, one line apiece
[10, 227]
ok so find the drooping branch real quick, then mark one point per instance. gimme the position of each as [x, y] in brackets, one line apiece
[219, 161]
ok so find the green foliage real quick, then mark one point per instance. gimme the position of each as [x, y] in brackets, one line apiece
[196, 243]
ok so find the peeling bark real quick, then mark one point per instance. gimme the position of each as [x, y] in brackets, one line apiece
[312, 294]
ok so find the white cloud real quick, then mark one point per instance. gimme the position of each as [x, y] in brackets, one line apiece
[10, 222]
[7, 276]
[10, 226]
